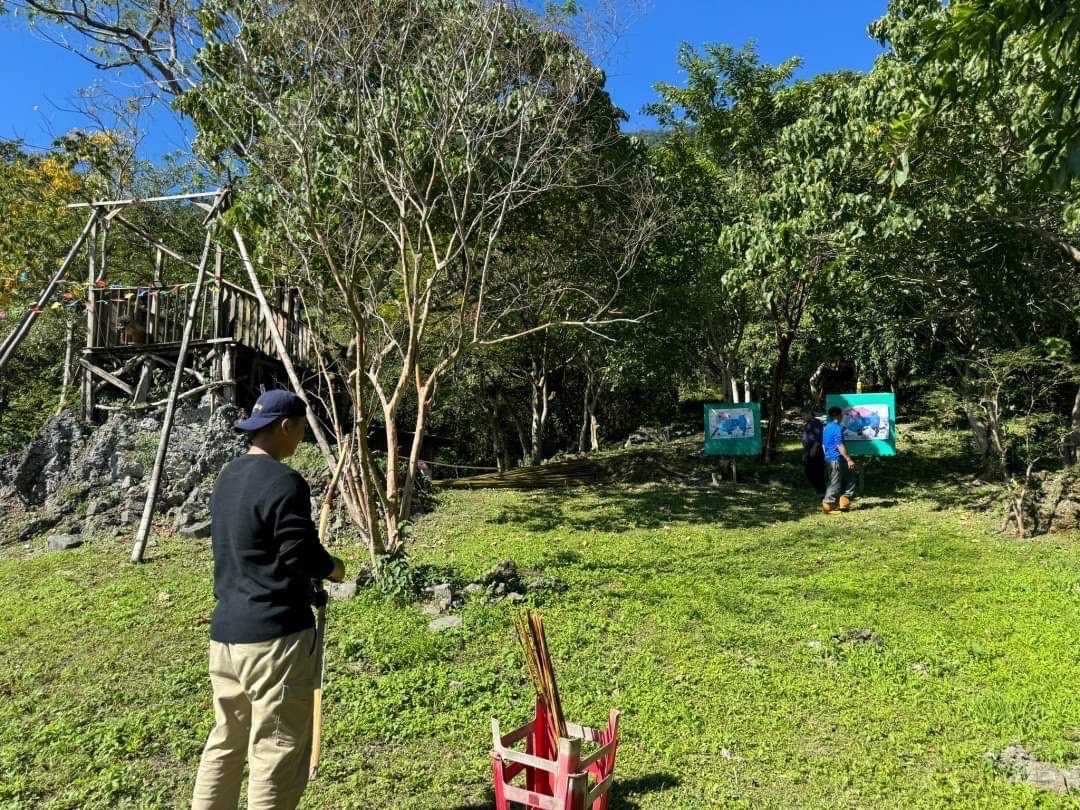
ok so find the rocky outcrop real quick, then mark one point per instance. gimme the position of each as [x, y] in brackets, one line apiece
[95, 480]
[42, 469]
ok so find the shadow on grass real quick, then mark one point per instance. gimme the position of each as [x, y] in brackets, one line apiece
[940, 472]
[623, 793]
[625, 509]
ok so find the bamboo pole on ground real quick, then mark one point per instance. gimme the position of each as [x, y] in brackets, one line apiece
[16, 337]
[143, 533]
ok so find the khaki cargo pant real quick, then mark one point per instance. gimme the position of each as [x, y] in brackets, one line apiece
[263, 699]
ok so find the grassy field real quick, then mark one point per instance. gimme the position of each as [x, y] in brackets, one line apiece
[705, 614]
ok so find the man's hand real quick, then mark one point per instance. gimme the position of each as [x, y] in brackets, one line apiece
[338, 574]
[850, 462]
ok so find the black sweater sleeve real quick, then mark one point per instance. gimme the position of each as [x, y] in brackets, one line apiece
[299, 549]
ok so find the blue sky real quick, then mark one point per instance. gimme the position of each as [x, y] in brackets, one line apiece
[39, 79]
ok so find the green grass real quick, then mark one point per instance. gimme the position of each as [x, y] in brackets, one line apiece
[704, 614]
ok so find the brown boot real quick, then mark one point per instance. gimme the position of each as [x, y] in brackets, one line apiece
[845, 503]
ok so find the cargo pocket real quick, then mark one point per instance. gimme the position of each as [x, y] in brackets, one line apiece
[294, 715]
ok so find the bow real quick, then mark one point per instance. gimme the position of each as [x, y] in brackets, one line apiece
[320, 622]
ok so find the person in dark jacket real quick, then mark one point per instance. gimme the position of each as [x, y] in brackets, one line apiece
[262, 635]
[813, 454]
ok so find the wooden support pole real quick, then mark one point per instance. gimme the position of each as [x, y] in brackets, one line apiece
[143, 532]
[136, 200]
[146, 405]
[16, 337]
[215, 327]
[142, 390]
[112, 379]
[69, 352]
[283, 355]
[91, 305]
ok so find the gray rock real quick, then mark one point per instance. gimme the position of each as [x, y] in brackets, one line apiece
[506, 572]
[1021, 766]
[456, 685]
[196, 531]
[127, 517]
[474, 588]
[431, 610]
[442, 596]
[175, 498]
[444, 623]
[134, 469]
[516, 598]
[60, 542]
[127, 483]
[343, 590]
[38, 526]
[365, 577]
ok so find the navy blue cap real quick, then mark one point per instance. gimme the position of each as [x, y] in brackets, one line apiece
[269, 407]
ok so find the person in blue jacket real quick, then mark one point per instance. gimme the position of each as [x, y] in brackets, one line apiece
[839, 466]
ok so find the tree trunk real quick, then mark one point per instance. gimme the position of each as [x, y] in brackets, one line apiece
[746, 384]
[522, 433]
[734, 387]
[583, 434]
[590, 426]
[538, 384]
[978, 431]
[776, 389]
[1076, 428]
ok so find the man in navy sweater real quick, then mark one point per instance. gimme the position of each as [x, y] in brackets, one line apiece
[262, 636]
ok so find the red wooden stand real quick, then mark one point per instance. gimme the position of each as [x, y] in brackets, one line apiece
[554, 780]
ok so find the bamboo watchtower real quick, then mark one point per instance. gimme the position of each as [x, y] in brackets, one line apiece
[216, 337]
[131, 330]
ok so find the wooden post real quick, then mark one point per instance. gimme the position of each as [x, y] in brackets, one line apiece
[215, 330]
[69, 351]
[143, 387]
[91, 322]
[228, 372]
[16, 337]
[143, 533]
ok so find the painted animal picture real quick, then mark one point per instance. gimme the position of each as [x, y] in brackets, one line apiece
[866, 422]
[732, 423]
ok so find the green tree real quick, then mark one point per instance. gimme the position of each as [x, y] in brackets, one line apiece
[386, 163]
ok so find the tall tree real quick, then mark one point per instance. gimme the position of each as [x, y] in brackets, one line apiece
[386, 147]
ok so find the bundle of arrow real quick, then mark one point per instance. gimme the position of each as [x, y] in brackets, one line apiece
[530, 629]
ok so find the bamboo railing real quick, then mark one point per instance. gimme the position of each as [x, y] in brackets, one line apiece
[135, 316]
